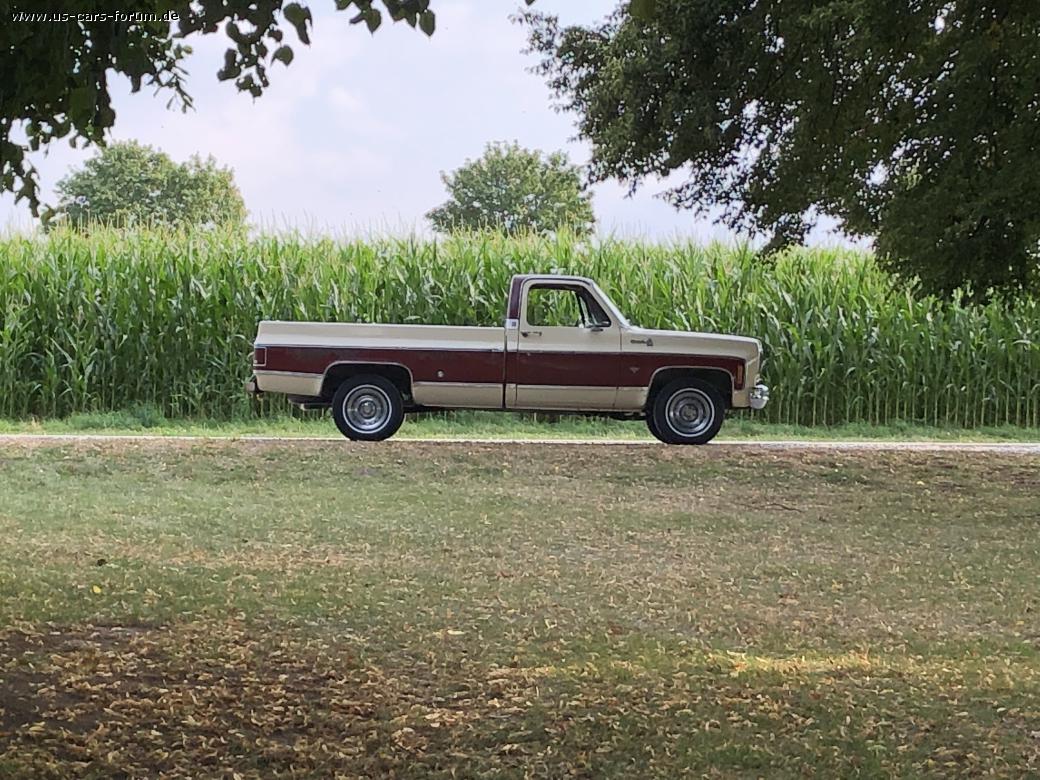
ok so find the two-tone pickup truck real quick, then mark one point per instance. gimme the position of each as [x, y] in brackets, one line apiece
[564, 347]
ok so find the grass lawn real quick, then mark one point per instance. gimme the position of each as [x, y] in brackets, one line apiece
[312, 609]
[497, 425]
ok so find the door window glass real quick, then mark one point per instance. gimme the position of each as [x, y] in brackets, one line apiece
[564, 307]
[553, 307]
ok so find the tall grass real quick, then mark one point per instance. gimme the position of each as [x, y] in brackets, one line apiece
[117, 319]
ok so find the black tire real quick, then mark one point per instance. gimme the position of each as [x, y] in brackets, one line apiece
[686, 411]
[653, 426]
[368, 408]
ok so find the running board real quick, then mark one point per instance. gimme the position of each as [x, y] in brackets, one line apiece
[308, 403]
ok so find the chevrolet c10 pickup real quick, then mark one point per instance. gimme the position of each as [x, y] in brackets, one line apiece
[564, 347]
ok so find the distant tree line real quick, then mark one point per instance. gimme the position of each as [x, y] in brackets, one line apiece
[511, 189]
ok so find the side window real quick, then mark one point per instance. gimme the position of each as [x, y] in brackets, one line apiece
[553, 307]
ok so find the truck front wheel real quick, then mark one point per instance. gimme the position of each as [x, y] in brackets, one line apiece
[686, 411]
[368, 408]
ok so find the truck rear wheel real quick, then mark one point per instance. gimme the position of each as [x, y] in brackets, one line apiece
[686, 411]
[368, 408]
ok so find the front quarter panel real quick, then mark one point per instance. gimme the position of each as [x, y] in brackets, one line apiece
[645, 353]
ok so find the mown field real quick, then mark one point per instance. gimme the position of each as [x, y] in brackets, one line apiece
[164, 321]
[236, 609]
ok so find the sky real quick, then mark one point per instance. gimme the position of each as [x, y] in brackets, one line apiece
[352, 137]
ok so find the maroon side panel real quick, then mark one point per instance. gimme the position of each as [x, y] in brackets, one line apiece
[426, 365]
[607, 370]
[485, 366]
[568, 369]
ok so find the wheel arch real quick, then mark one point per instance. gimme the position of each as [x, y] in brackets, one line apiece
[337, 373]
[719, 378]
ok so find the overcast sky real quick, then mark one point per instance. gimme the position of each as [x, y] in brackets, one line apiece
[351, 138]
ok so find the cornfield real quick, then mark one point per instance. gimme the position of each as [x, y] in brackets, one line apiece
[109, 320]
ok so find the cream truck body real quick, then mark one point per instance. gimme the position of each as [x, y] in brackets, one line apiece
[602, 364]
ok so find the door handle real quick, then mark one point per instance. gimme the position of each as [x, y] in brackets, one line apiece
[526, 333]
[648, 342]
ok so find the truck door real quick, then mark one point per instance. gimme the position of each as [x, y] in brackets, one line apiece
[568, 350]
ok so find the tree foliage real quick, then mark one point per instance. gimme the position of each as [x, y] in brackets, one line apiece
[127, 183]
[915, 123]
[516, 190]
[56, 61]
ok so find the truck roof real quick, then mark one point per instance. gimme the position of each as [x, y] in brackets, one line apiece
[551, 277]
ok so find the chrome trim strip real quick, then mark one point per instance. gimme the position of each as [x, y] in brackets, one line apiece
[434, 346]
[687, 367]
[307, 374]
[557, 283]
[600, 388]
[324, 374]
[482, 385]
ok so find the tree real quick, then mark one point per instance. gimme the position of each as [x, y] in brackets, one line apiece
[55, 65]
[916, 123]
[515, 190]
[127, 183]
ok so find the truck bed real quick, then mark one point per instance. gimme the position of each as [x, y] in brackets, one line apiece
[446, 365]
[337, 334]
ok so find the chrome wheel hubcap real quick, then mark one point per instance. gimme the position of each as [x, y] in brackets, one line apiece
[366, 408]
[690, 412]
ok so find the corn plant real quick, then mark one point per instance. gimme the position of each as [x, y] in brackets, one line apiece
[112, 319]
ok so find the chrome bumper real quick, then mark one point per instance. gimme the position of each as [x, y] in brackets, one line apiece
[252, 389]
[759, 396]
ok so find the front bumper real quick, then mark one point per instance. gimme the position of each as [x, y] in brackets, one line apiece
[759, 396]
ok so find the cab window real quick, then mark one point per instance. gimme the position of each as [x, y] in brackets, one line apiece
[564, 307]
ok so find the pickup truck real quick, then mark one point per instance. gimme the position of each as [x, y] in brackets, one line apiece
[564, 347]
